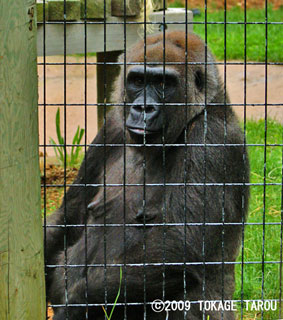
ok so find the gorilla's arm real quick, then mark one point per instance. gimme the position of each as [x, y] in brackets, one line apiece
[73, 209]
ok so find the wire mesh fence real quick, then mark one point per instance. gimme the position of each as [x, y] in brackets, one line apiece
[171, 205]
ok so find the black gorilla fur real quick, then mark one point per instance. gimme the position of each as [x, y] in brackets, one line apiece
[204, 207]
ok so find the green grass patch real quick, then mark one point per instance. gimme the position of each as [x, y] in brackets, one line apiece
[262, 209]
[235, 34]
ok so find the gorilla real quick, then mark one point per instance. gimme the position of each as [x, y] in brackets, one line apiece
[161, 193]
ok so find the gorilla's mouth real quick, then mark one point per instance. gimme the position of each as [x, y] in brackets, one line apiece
[142, 131]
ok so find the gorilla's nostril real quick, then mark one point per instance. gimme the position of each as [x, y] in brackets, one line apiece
[138, 108]
[149, 109]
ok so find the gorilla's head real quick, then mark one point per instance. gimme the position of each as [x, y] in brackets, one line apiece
[161, 94]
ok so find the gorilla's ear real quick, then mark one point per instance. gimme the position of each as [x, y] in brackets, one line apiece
[199, 80]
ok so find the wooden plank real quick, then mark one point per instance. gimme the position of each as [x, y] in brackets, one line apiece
[56, 10]
[75, 33]
[95, 9]
[105, 74]
[40, 8]
[133, 8]
[22, 288]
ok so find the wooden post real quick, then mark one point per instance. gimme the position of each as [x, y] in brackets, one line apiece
[111, 74]
[22, 288]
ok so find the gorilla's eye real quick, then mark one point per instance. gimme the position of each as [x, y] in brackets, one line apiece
[164, 84]
[138, 81]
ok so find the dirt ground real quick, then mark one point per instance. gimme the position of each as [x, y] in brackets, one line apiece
[75, 94]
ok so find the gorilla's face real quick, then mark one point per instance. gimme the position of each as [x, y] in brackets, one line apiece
[152, 97]
[162, 98]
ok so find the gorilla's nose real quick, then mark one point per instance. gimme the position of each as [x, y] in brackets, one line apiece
[149, 111]
[144, 115]
[148, 108]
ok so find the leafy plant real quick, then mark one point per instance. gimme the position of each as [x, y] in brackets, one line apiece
[60, 150]
[116, 299]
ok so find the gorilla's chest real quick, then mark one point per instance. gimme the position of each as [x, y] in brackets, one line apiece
[135, 189]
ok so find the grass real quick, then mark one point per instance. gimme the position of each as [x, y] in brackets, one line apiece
[72, 158]
[235, 34]
[262, 209]
[116, 299]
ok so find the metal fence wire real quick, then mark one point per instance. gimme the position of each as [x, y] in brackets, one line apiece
[166, 217]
